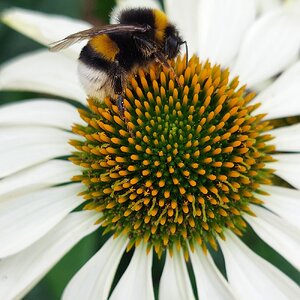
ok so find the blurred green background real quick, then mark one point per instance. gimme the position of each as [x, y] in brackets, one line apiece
[13, 44]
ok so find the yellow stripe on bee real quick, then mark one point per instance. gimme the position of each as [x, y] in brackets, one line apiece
[160, 24]
[105, 46]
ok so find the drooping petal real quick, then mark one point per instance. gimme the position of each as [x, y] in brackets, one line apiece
[23, 147]
[280, 235]
[20, 272]
[210, 282]
[136, 282]
[44, 72]
[252, 277]
[25, 219]
[271, 45]
[93, 281]
[287, 138]
[42, 112]
[44, 28]
[285, 89]
[287, 167]
[185, 15]
[222, 25]
[41, 176]
[284, 202]
[175, 283]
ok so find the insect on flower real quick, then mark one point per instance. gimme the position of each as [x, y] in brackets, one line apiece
[115, 51]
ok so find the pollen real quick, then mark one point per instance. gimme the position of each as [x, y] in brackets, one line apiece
[182, 165]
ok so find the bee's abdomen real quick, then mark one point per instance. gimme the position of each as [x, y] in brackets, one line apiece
[104, 46]
[93, 73]
[94, 59]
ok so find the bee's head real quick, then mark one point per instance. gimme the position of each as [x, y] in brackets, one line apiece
[172, 42]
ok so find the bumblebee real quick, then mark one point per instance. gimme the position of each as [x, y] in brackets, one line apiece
[113, 52]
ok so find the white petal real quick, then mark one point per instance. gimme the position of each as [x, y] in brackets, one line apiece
[44, 175]
[292, 6]
[287, 138]
[44, 28]
[136, 282]
[185, 15]
[21, 136]
[43, 112]
[20, 272]
[281, 236]
[287, 167]
[44, 72]
[266, 5]
[93, 281]
[175, 283]
[19, 159]
[222, 25]
[284, 202]
[281, 98]
[210, 282]
[271, 45]
[252, 277]
[22, 147]
[23, 220]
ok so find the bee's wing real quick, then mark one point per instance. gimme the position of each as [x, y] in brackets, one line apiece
[89, 33]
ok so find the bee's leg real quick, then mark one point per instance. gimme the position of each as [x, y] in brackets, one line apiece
[118, 85]
[119, 91]
[120, 104]
[160, 58]
[145, 46]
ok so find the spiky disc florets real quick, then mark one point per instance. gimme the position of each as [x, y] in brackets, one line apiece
[184, 162]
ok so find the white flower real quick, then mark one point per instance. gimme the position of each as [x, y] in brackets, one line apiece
[257, 40]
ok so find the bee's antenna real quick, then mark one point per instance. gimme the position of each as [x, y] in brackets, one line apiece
[186, 53]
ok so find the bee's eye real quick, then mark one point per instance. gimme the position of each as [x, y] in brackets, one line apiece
[171, 46]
